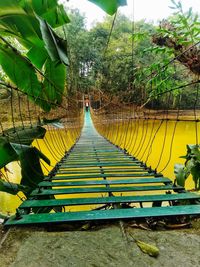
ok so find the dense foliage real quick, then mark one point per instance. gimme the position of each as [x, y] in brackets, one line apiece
[135, 64]
[34, 61]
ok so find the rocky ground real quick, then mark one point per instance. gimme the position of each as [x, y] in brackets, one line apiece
[98, 247]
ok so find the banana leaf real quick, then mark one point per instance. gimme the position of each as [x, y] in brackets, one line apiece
[24, 136]
[37, 55]
[11, 188]
[51, 11]
[22, 26]
[32, 174]
[31, 170]
[10, 7]
[110, 6]
[17, 139]
[20, 72]
[43, 102]
[7, 154]
[55, 46]
[56, 73]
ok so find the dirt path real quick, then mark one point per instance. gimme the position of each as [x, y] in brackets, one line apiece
[107, 246]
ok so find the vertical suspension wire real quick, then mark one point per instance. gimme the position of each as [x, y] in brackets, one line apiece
[13, 119]
[8, 137]
[165, 132]
[142, 135]
[133, 127]
[150, 137]
[152, 140]
[2, 129]
[32, 123]
[152, 128]
[173, 135]
[20, 110]
[126, 120]
[119, 128]
[146, 121]
[57, 138]
[122, 121]
[5, 176]
[153, 133]
[127, 128]
[38, 115]
[29, 112]
[136, 131]
[54, 141]
[12, 110]
[195, 114]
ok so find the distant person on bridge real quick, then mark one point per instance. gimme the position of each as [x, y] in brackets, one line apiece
[87, 105]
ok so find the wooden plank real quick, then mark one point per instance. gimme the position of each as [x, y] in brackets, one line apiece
[107, 200]
[63, 191]
[94, 160]
[62, 171]
[97, 171]
[112, 214]
[99, 164]
[101, 176]
[106, 182]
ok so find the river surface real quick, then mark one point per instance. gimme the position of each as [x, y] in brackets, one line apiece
[55, 143]
[160, 144]
[157, 143]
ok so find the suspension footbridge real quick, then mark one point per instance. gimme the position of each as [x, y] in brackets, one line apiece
[114, 185]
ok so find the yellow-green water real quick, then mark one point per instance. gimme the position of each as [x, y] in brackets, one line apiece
[53, 146]
[144, 139]
[155, 142]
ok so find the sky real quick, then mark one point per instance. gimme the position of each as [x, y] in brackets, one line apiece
[151, 10]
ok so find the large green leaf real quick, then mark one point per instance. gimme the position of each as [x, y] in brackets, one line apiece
[37, 56]
[110, 6]
[180, 173]
[50, 11]
[193, 166]
[23, 75]
[25, 20]
[7, 154]
[24, 136]
[18, 17]
[25, 28]
[32, 173]
[20, 72]
[10, 7]
[13, 142]
[43, 102]
[11, 188]
[56, 73]
[55, 46]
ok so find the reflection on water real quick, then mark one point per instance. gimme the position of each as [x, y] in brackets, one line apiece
[158, 143]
